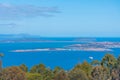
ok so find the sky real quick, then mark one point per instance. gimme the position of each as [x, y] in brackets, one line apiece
[61, 18]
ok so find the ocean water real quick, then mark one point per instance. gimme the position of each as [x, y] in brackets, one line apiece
[64, 59]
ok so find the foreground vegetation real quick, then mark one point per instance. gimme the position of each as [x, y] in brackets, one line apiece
[106, 69]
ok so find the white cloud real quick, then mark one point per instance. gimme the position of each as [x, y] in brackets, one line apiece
[8, 11]
[8, 25]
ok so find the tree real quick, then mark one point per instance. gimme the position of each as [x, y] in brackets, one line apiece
[40, 68]
[77, 75]
[23, 67]
[100, 73]
[57, 70]
[48, 74]
[95, 63]
[13, 73]
[108, 61]
[62, 75]
[115, 72]
[33, 76]
[86, 67]
[1, 55]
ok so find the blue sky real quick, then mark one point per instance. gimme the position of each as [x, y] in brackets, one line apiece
[61, 18]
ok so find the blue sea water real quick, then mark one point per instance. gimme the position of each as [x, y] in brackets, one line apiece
[64, 59]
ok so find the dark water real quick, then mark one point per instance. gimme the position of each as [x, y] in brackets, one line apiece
[64, 59]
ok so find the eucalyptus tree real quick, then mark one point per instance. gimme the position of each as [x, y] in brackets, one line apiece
[108, 61]
[13, 73]
[86, 67]
[1, 55]
[23, 67]
[77, 74]
[95, 63]
[100, 73]
[33, 76]
[62, 75]
[115, 72]
[1, 74]
[40, 68]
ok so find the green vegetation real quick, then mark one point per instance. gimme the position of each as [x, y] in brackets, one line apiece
[106, 69]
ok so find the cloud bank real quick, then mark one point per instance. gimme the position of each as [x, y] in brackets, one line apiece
[8, 11]
[8, 25]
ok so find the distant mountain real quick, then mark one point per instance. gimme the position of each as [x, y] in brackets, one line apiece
[18, 37]
[35, 38]
[15, 36]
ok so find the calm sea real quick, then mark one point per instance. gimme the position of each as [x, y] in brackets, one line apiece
[64, 59]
